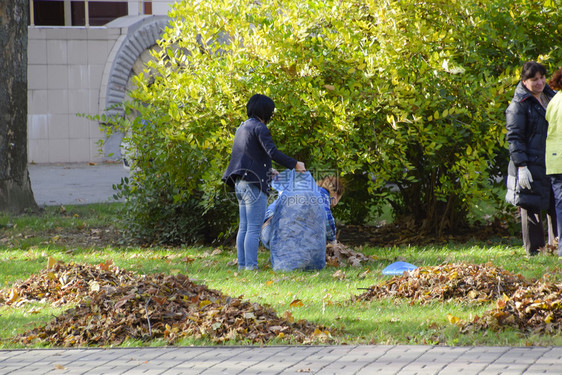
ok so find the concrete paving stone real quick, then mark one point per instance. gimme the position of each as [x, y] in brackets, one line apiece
[505, 369]
[252, 371]
[175, 371]
[281, 368]
[213, 371]
[469, 357]
[36, 369]
[442, 354]
[245, 370]
[462, 368]
[487, 354]
[343, 363]
[420, 371]
[179, 370]
[522, 355]
[269, 365]
[302, 367]
[185, 355]
[153, 365]
[172, 355]
[327, 360]
[373, 370]
[414, 367]
[382, 368]
[395, 355]
[341, 369]
[191, 364]
[10, 369]
[544, 369]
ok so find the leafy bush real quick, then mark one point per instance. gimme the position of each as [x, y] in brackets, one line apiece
[153, 216]
[157, 210]
[409, 95]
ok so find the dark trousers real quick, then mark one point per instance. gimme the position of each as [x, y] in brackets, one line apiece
[556, 180]
[532, 228]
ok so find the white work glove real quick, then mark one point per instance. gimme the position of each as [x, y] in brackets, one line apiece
[525, 177]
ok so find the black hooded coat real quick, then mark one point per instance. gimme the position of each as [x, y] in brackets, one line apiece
[526, 135]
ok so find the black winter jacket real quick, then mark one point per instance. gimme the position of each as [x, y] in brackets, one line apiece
[252, 151]
[526, 135]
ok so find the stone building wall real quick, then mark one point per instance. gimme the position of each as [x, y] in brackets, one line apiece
[82, 70]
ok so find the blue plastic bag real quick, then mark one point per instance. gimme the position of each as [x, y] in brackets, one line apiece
[297, 233]
[398, 268]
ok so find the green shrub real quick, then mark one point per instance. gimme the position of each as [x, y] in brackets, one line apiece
[152, 215]
[408, 95]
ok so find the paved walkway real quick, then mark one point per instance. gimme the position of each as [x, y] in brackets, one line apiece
[84, 183]
[344, 360]
[76, 183]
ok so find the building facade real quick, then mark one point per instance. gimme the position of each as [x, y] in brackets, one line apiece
[81, 57]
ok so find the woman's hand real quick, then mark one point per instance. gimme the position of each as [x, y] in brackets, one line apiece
[300, 167]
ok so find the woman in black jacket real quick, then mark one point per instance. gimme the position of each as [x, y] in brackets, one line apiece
[527, 184]
[249, 172]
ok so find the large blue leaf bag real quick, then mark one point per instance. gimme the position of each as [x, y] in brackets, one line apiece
[298, 224]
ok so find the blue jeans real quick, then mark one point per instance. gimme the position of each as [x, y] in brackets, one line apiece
[252, 203]
[556, 180]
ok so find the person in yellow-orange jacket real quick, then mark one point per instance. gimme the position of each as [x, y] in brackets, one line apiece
[553, 154]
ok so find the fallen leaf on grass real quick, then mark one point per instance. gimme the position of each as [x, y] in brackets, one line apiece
[288, 316]
[338, 255]
[339, 275]
[296, 303]
[320, 333]
[452, 319]
[14, 296]
[33, 310]
[363, 275]
[107, 265]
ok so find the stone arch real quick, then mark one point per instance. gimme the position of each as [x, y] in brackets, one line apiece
[141, 35]
[130, 49]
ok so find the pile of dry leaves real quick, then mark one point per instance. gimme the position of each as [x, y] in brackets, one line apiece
[527, 306]
[114, 305]
[339, 255]
[60, 284]
[536, 309]
[462, 281]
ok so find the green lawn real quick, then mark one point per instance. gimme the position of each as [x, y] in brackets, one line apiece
[76, 235]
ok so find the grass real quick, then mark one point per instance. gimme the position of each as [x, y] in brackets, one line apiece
[27, 241]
